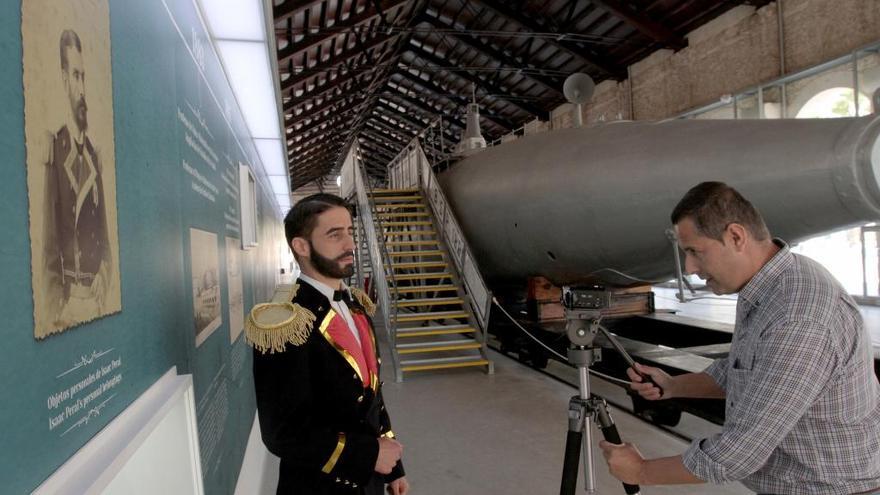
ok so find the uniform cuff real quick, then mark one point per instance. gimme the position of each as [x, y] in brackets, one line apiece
[396, 473]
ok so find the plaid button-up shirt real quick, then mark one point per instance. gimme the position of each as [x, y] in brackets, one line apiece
[803, 403]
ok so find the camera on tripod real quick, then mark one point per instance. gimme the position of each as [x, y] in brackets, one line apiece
[591, 297]
[583, 314]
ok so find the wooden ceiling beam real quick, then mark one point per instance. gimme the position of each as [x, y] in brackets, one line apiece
[400, 136]
[506, 95]
[650, 28]
[461, 101]
[311, 40]
[328, 105]
[406, 100]
[291, 8]
[512, 61]
[336, 60]
[575, 49]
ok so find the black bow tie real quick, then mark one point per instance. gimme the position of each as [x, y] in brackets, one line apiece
[342, 295]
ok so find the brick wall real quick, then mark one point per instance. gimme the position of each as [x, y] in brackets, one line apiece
[737, 51]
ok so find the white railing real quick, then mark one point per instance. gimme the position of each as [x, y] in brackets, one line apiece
[411, 167]
[377, 255]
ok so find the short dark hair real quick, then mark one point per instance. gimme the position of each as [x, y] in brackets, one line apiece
[715, 205]
[69, 39]
[301, 219]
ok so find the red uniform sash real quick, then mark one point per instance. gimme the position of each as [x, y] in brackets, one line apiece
[361, 357]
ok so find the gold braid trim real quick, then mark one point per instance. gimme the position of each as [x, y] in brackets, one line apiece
[271, 326]
[364, 300]
[331, 462]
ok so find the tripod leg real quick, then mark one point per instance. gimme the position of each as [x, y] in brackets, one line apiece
[609, 431]
[570, 467]
[574, 441]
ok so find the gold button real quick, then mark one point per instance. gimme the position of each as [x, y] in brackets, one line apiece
[354, 376]
[361, 398]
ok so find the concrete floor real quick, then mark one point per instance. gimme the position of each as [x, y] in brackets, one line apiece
[465, 432]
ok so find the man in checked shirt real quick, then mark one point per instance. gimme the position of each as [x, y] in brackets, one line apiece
[803, 402]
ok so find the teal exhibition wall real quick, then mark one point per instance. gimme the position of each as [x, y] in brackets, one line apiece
[168, 90]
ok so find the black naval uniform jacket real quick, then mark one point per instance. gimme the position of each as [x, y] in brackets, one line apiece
[317, 413]
[75, 193]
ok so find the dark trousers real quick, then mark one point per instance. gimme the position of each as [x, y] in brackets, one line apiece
[306, 483]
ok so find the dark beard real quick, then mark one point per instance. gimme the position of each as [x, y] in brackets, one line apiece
[330, 267]
[80, 115]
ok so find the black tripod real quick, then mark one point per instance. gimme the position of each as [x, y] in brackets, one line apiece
[582, 327]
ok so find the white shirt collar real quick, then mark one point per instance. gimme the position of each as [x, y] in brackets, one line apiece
[322, 287]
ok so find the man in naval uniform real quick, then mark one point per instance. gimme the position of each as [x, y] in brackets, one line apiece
[316, 373]
[77, 246]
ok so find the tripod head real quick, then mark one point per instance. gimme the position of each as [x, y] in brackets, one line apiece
[583, 314]
[582, 326]
[583, 307]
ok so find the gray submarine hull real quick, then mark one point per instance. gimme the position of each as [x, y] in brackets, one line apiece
[592, 205]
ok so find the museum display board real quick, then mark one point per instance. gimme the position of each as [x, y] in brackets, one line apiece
[122, 147]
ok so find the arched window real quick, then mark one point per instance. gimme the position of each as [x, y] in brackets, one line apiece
[850, 255]
[834, 103]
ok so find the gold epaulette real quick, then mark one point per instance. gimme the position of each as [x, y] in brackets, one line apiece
[270, 326]
[364, 300]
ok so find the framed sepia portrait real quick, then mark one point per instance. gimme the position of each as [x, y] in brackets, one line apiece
[236, 288]
[205, 260]
[71, 167]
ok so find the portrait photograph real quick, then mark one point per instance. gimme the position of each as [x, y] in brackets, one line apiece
[204, 257]
[236, 292]
[71, 167]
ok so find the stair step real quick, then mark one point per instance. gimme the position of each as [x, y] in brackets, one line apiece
[437, 315]
[412, 243]
[422, 276]
[395, 191]
[403, 254]
[442, 363]
[418, 264]
[383, 207]
[393, 199]
[420, 214]
[452, 345]
[426, 288]
[436, 301]
[410, 232]
[434, 330]
[408, 224]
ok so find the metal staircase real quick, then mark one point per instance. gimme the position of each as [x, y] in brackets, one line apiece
[363, 270]
[427, 285]
[432, 322]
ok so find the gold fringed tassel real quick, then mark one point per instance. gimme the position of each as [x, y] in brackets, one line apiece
[364, 300]
[285, 293]
[271, 326]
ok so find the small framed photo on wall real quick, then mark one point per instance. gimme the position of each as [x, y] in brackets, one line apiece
[248, 206]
